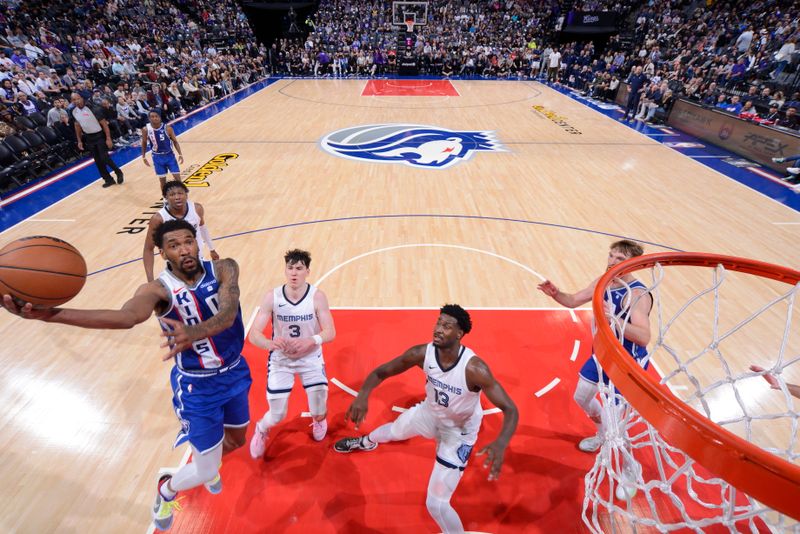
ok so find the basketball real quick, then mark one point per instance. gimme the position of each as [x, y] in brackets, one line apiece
[42, 270]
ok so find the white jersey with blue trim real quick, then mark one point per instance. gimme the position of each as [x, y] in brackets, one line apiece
[159, 139]
[294, 320]
[192, 305]
[448, 396]
[191, 216]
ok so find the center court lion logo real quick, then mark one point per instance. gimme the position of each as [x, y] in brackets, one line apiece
[427, 147]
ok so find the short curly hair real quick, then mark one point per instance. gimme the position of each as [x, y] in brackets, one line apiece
[171, 226]
[173, 184]
[459, 314]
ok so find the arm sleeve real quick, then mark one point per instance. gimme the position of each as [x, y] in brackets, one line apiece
[206, 237]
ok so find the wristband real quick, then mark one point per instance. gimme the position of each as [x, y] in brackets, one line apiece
[317, 339]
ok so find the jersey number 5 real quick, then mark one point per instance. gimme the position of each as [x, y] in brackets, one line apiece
[442, 398]
[294, 330]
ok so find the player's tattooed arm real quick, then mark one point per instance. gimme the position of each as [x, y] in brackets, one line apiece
[181, 336]
[228, 275]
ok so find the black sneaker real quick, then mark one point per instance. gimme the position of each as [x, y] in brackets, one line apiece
[354, 444]
[107, 184]
[120, 178]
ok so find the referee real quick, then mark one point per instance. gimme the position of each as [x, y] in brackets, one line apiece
[95, 133]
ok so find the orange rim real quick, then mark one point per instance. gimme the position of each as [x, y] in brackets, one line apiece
[767, 478]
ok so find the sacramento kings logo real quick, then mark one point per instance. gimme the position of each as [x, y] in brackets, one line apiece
[427, 147]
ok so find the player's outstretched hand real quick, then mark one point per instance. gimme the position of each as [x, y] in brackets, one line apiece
[177, 338]
[23, 309]
[495, 453]
[769, 377]
[548, 288]
[357, 412]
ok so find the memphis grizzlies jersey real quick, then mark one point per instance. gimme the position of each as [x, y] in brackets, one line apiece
[447, 393]
[159, 139]
[191, 215]
[197, 303]
[294, 319]
[618, 297]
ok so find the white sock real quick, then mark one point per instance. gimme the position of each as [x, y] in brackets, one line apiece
[585, 395]
[202, 469]
[382, 434]
[276, 414]
[167, 492]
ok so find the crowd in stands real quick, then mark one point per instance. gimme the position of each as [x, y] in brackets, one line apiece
[711, 52]
[125, 57]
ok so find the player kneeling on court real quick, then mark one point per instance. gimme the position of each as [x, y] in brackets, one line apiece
[451, 412]
[197, 303]
[301, 323]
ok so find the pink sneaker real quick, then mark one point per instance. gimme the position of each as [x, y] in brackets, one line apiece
[258, 443]
[319, 429]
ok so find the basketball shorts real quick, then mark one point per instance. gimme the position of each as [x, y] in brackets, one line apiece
[163, 163]
[592, 372]
[453, 444]
[281, 373]
[206, 405]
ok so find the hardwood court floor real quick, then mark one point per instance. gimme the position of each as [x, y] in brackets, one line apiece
[88, 419]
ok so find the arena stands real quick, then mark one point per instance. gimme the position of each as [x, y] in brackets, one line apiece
[176, 55]
[125, 56]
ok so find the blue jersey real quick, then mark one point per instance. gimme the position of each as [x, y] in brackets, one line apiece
[159, 139]
[192, 305]
[618, 296]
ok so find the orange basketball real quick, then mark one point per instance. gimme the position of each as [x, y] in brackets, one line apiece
[42, 270]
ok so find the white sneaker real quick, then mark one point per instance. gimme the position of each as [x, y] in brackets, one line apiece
[319, 429]
[625, 492]
[793, 170]
[778, 160]
[590, 444]
[258, 443]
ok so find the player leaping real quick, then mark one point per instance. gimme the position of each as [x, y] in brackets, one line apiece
[197, 303]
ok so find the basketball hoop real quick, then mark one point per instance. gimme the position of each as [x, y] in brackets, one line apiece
[409, 25]
[697, 451]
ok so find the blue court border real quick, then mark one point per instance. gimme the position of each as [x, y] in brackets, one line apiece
[709, 155]
[714, 158]
[27, 206]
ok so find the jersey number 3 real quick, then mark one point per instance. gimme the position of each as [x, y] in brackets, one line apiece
[294, 330]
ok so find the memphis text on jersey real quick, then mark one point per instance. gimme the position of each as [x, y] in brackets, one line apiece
[217, 163]
[444, 387]
[295, 318]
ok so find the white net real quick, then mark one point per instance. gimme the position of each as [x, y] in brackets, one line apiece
[705, 336]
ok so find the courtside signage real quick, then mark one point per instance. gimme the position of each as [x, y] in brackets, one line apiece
[415, 145]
